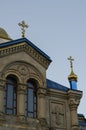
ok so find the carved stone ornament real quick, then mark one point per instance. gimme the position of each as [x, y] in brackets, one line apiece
[21, 87]
[23, 70]
[57, 115]
[73, 103]
[41, 91]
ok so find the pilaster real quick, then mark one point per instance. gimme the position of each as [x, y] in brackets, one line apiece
[2, 86]
[42, 107]
[21, 100]
[74, 100]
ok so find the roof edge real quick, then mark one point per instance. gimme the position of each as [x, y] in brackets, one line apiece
[17, 41]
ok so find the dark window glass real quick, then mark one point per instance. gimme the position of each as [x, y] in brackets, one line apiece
[31, 99]
[10, 96]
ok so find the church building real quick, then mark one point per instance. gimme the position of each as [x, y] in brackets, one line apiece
[28, 100]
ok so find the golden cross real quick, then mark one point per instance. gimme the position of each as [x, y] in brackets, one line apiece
[71, 59]
[23, 26]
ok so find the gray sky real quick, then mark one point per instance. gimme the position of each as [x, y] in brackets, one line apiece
[58, 27]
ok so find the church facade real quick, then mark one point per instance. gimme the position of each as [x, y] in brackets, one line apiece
[29, 101]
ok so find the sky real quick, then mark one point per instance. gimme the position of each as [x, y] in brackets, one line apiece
[57, 27]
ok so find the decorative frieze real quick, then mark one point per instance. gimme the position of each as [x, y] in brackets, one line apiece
[28, 49]
[33, 53]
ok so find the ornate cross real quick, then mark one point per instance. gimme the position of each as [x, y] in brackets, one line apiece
[58, 113]
[23, 26]
[71, 61]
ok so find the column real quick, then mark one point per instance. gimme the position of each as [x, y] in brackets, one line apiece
[42, 105]
[21, 101]
[2, 85]
[74, 100]
[41, 102]
[73, 110]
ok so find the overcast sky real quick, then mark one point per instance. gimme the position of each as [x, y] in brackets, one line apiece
[58, 27]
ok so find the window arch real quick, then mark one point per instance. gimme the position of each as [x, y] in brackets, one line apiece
[31, 99]
[10, 95]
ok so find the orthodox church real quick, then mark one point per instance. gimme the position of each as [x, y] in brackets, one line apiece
[28, 100]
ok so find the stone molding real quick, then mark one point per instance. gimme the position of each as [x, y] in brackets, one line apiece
[19, 122]
[57, 94]
[26, 48]
[74, 94]
[23, 71]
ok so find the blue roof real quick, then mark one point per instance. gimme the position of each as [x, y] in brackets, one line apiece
[6, 44]
[54, 85]
[81, 115]
[82, 123]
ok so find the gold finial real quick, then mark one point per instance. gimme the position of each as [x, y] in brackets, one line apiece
[23, 26]
[72, 75]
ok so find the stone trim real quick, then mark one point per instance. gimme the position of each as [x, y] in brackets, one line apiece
[28, 49]
[74, 94]
[57, 94]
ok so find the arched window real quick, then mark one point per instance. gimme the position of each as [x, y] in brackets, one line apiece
[31, 99]
[10, 96]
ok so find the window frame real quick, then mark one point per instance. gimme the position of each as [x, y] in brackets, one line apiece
[31, 113]
[11, 83]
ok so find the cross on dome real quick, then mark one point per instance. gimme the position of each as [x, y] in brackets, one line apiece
[72, 75]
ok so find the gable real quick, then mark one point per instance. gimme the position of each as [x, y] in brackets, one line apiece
[25, 45]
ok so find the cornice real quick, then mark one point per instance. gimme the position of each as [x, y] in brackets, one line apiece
[33, 53]
[76, 94]
[57, 93]
[12, 49]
